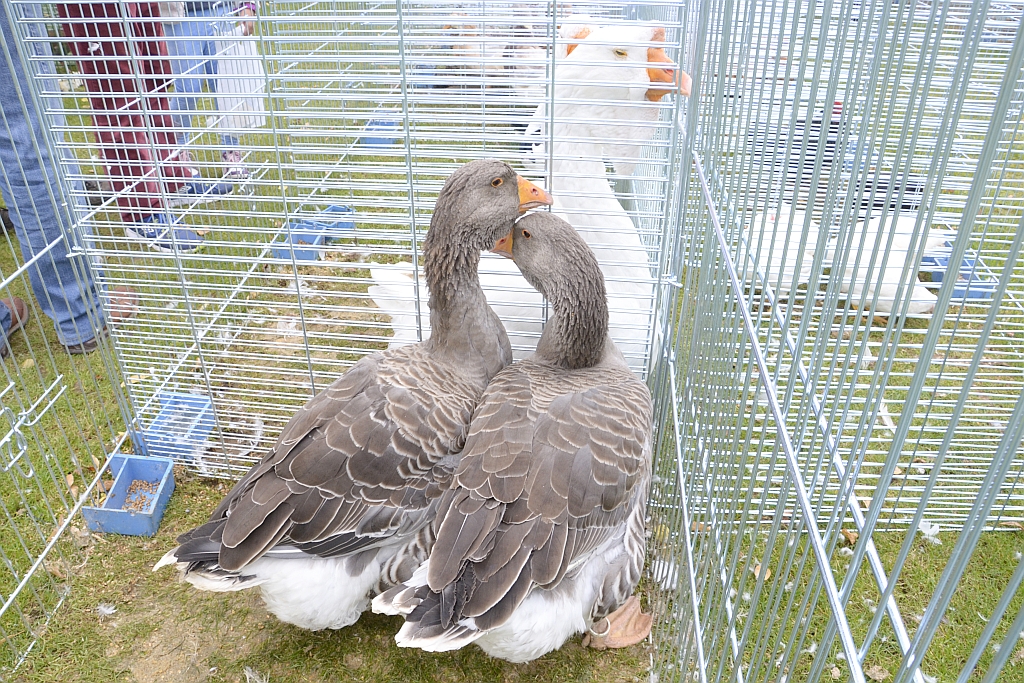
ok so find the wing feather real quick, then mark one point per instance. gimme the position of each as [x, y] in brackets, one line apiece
[318, 524]
[465, 528]
[353, 469]
[565, 460]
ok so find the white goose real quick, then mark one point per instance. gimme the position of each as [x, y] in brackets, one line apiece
[886, 275]
[778, 259]
[606, 94]
[783, 263]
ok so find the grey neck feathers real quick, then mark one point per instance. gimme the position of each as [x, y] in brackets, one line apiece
[451, 255]
[575, 335]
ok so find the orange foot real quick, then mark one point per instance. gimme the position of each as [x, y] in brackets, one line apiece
[624, 627]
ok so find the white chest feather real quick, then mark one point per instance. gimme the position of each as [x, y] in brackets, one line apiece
[547, 618]
[315, 593]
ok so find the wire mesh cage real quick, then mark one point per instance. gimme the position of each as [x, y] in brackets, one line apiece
[309, 238]
[846, 360]
[814, 262]
[60, 419]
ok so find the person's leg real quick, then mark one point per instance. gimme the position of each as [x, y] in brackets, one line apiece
[154, 69]
[6, 320]
[231, 154]
[13, 316]
[188, 63]
[94, 32]
[193, 49]
[139, 147]
[234, 167]
[30, 189]
[221, 24]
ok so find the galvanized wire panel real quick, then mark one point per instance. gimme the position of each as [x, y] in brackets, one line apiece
[362, 109]
[59, 418]
[845, 358]
[844, 150]
[818, 363]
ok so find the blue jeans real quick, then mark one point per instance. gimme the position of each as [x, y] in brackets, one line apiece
[38, 208]
[192, 46]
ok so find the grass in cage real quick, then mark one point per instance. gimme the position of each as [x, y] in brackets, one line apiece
[164, 631]
[766, 572]
[980, 423]
[36, 496]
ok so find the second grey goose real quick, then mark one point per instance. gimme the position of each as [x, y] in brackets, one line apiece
[542, 533]
[341, 506]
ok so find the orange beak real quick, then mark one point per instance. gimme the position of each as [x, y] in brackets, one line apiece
[531, 196]
[680, 80]
[504, 246]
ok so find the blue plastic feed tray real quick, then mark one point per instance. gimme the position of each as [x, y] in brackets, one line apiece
[183, 423]
[336, 222]
[307, 239]
[374, 130]
[973, 283]
[136, 502]
[333, 223]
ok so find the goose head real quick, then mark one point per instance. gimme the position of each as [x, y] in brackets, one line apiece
[554, 259]
[479, 203]
[621, 63]
[602, 87]
[476, 207]
[572, 30]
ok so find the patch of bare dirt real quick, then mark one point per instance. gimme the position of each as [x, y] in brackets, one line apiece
[179, 648]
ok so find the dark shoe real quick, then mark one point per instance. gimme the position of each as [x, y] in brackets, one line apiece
[5, 218]
[164, 232]
[98, 191]
[19, 316]
[87, 346]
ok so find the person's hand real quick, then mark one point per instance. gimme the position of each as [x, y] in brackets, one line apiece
[249, 26]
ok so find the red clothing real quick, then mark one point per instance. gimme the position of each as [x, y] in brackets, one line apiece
[115, 79]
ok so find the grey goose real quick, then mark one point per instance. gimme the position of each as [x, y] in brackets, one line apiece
[341, 507]
[541, 535]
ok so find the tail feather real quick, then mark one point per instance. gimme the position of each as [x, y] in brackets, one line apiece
[389, 602]
[197, 561]
[423, 628]
[405, 597]
[454, 638]
[422, 608]
[169, 557]
[208, 576]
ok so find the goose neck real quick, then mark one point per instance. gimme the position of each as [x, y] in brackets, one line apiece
[450, 270]
[463, 327]
[576, 333]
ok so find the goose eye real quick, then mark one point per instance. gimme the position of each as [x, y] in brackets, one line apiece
[621, 53]
[497, 182]
[526, 234]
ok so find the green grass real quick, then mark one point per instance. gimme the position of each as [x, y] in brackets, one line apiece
[68, 439]
[770, 610]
